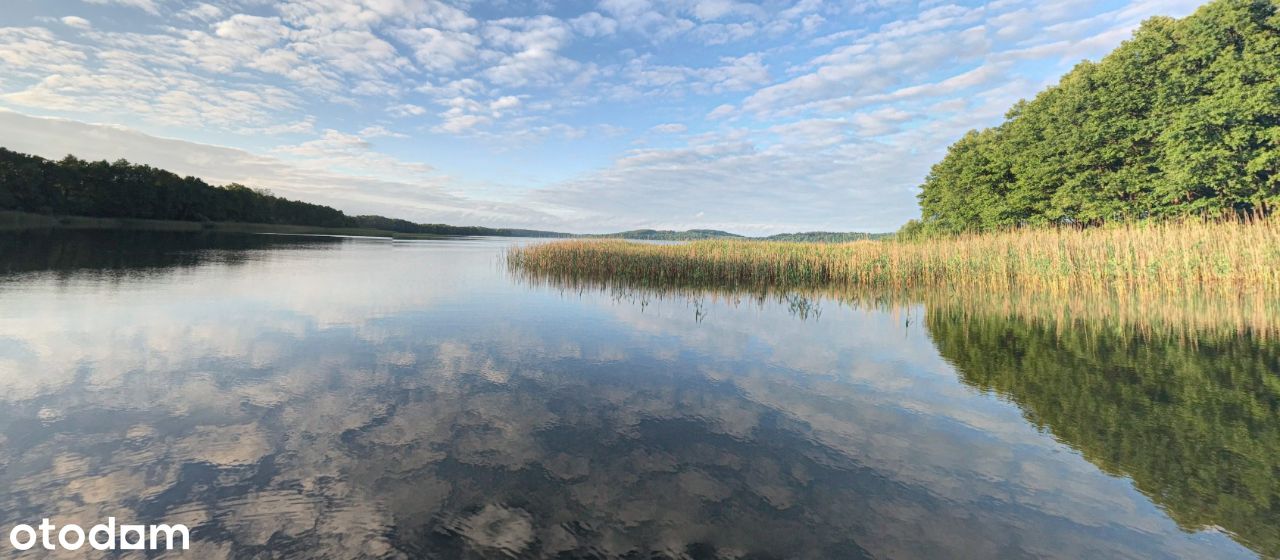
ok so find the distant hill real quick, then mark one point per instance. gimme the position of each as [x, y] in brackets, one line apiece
[668, 235]
[696, 234]
[405, 226]
[827, 236]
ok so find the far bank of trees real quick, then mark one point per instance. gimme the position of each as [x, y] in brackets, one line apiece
[405, 226]
[1182, 119]
[119, 189]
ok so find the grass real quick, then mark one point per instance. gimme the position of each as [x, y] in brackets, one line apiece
[1187, 276]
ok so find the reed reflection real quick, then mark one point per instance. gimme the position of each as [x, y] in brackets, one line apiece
[360, 399]
[1180, 395]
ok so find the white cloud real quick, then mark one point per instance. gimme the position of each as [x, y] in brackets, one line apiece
[670, 128]
[870, 66]
[38, 52]
[592, 24]
[532, 56]
[204, 12]
[721, 111]
[643, 17]
[838, 113]
[254, 30]
[379, 131]
[753, 188]
[168, 101]
[406, 110]
[646, 79]
[76, 22]
[458, 122]
[710, 10]
[306, 125]
[441, 51]
[721, 33]
[502, 104]
[148, 6]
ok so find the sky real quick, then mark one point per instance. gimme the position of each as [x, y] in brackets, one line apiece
[576, 115]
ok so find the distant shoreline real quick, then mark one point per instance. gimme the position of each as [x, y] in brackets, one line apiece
[20, 221]
[12, 220]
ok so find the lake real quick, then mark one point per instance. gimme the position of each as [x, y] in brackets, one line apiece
[321, 397]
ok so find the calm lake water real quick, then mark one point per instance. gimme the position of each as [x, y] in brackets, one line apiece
[315, 397]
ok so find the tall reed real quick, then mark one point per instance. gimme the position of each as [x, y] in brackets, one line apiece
[1191, 277]
[1140, 258]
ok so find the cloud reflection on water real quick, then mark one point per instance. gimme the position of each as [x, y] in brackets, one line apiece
[405, 400]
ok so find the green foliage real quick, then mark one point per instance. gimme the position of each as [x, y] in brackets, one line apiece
[1196, 426]
[1182, 119]
[75, 187]
[120, 189]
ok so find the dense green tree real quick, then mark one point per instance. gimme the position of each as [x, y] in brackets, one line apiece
[123, 189]
[1182, 119]
[119, 189]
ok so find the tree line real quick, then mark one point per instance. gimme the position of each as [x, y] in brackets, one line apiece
[1182, 119]
[120, 189]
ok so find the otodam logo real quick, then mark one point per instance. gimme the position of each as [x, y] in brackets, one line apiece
[103, 536]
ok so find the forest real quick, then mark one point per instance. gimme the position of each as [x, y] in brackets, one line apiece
[120, 189]
[1181, 120]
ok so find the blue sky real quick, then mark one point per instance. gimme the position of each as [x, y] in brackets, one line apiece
[580, 116]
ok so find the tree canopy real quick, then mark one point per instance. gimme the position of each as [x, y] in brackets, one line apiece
[120, 189]
[1182, 119]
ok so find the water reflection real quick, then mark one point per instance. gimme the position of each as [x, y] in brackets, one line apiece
[109, 253]
[1196, 426]
[363, 399]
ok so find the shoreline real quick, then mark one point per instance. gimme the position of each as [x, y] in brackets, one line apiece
[25, 221]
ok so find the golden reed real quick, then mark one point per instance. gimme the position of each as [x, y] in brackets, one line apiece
[1183, 275]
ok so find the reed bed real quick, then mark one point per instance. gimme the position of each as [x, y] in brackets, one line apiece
[1188, 277]
[1144, 258]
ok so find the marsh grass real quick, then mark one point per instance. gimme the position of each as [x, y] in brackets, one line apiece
[1192, 277]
